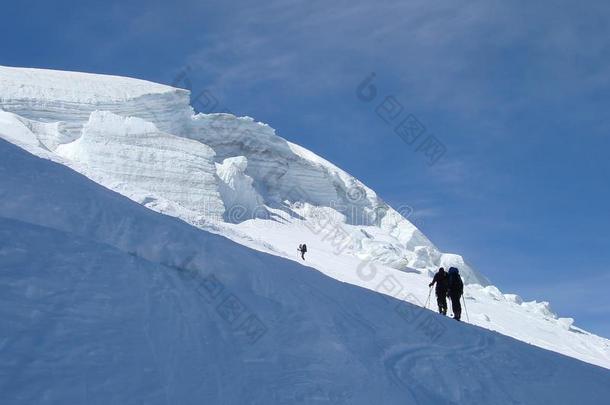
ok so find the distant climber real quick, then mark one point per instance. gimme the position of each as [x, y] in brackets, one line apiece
[454, 291]
[440, 278]
[303, 249]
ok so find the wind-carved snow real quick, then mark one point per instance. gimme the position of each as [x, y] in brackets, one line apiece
[237, 177]
[288, 176]
[132, 151]
[70, 97]
[239, 196]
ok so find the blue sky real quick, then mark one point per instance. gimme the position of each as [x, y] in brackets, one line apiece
[518, 93]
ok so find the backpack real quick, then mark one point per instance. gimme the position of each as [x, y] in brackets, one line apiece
[454, 281]
[304, 248]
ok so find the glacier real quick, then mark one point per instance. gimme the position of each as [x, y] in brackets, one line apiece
[84, 112]
[236, 178]
[104, 301]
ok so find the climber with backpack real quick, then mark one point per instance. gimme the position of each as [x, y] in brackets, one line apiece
[303, 249]
[440, 279]
[455, 289]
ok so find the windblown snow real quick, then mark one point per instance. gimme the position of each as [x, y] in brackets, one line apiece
[237, 178]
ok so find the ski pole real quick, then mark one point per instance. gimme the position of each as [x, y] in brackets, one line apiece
[465, 309]
[428, 300]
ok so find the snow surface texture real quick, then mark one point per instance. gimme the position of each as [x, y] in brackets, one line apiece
[103, 301]
[236, 177]
[283, 174]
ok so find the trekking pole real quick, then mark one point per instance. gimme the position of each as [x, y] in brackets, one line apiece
[428, 300]
[465, 309]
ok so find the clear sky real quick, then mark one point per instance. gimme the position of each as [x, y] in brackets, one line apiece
[516, 91]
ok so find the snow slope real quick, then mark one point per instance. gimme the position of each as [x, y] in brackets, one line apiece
[281, 171]
[103, 301]
[236, 177]
[69, 98]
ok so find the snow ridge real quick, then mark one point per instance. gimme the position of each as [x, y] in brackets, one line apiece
[236, 177]
[105, 301]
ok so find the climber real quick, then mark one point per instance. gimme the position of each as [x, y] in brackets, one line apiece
[454, 291]
[303, 249]
[440, 278]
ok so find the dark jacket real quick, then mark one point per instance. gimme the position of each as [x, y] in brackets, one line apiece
[440, 278]
[455, 283]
